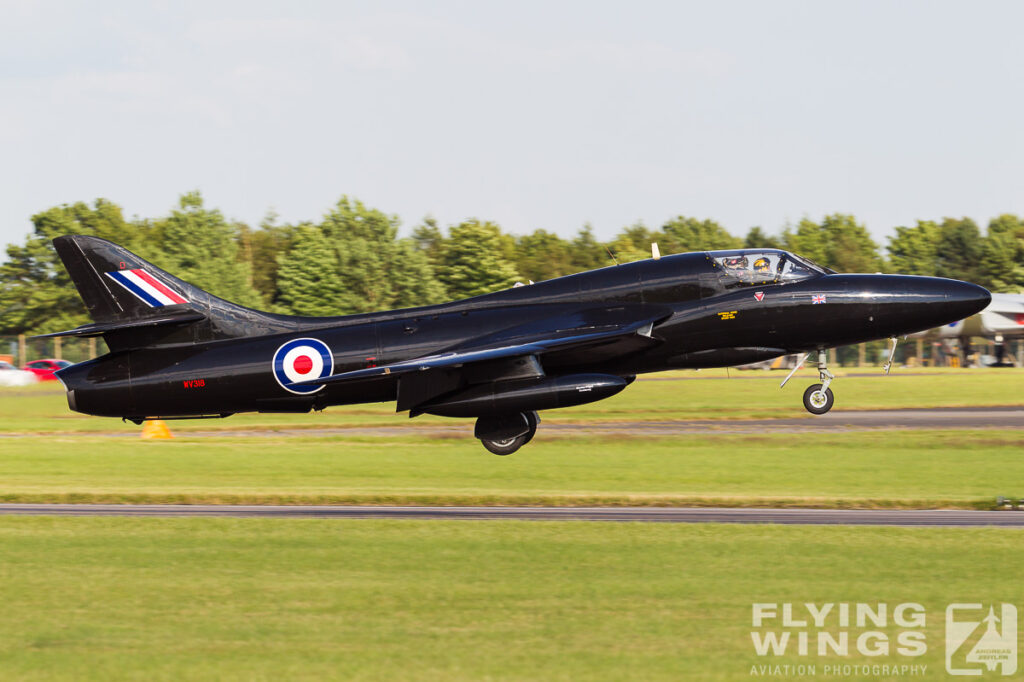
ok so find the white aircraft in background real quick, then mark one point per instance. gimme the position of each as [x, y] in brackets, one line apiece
[1001, 321]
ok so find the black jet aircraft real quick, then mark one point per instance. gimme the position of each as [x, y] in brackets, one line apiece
[179, 352]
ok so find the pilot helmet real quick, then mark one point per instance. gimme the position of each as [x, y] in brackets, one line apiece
[736, 262]
[761, 265]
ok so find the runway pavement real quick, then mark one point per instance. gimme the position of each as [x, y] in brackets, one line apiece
[855, 517]
[837, 420]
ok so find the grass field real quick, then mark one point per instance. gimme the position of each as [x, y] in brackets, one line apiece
[862, 469]
[260, 599]
[274, 599]
[670, 395]
[56, 458]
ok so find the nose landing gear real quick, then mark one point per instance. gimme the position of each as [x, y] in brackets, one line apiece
[818, 398]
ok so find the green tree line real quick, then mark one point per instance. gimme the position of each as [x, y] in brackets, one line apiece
[354, 258]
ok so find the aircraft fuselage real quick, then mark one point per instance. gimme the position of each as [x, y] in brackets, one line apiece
[707, 315]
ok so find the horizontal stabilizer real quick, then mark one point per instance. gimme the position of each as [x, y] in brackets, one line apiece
[99, 328]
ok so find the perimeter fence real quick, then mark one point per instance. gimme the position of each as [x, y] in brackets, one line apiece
[22, 349]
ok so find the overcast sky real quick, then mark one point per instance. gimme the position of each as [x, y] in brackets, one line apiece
[533, 114]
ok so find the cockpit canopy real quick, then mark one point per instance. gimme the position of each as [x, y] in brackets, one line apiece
[757, 267]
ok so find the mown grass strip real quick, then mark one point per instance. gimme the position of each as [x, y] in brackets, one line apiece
[894, 469]
[455, 500]
[307, 599]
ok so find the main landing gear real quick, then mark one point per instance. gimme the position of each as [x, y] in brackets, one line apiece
[818, 398]
[506, 433]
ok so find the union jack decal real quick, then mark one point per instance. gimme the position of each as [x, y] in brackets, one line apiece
[818, 298]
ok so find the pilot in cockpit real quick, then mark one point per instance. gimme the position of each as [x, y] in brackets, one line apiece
[736, 263]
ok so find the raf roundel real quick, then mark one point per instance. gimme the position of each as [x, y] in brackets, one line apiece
[301, 360]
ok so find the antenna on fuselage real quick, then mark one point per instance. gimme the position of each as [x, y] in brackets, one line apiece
[655, 252]
[612, 255]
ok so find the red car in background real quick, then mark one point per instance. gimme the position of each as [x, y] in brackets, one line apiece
[44, 369]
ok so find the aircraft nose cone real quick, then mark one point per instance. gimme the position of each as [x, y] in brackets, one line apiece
[964, 299]
[920, 303]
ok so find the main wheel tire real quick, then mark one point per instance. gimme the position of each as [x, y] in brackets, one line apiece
[533, 418]
[506, 447]
[817, 401]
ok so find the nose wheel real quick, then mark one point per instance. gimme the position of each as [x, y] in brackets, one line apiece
[818, 398]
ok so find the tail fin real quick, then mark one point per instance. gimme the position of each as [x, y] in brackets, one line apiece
[118, 286]
[134, 303]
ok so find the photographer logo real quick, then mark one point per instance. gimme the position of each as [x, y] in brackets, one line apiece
[980, 641]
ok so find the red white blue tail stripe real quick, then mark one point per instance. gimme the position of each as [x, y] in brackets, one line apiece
[146, 288]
